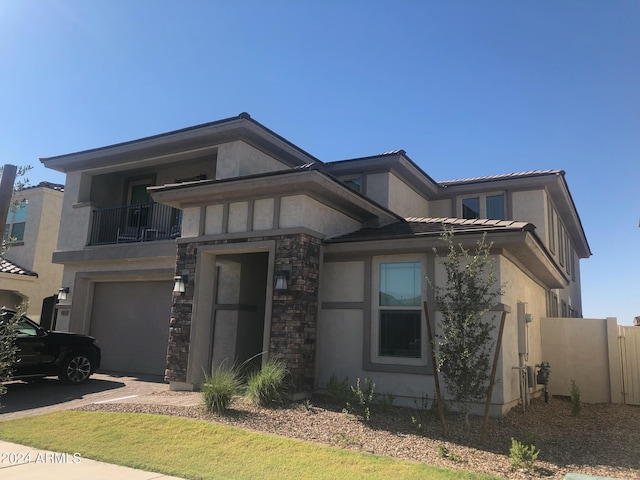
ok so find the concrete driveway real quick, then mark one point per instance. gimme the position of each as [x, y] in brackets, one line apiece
[47, 395]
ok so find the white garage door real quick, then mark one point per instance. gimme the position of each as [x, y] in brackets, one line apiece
[130, 320]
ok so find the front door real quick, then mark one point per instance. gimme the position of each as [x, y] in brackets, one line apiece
[240, 289]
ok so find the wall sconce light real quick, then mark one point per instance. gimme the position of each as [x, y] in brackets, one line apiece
[282, 278]
[180, 282]
[62, 293]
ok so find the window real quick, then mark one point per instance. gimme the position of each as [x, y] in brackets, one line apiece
[495, 207]
[552, 228]
[484, 206]
[471, 208]
[399, 309]
[354, 183]
[553, 304]
[561, 243]
[16, 221]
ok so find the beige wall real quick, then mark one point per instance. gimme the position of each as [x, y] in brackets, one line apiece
[304, 211]
[34, 253]
[236, 159]
[441, 208]
[74, 223]
[404, 200]
[520, 288]
[587, 351]
[342, 323]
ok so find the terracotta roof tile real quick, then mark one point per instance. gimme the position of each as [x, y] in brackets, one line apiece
[9, 267]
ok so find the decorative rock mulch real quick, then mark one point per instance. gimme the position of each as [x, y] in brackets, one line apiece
[603, 440]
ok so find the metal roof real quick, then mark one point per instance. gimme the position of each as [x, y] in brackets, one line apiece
[503, 176]
[419, 226]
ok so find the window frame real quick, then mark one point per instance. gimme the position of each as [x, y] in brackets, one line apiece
[348, 181]
[375, 357]
[10, 222]
[482, 200]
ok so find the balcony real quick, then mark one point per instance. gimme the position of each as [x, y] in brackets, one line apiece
[146, 222]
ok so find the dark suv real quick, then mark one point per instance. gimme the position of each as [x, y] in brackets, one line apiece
[70, 356]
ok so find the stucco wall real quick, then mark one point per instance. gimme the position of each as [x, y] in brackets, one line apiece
[238, 158]
[304, 211]
[584, 350]
[342, 323]
[34, 253]
[76, 217]
[530, 206]
[520, 288]
[405, 201]
[441, 208]
[378, 188]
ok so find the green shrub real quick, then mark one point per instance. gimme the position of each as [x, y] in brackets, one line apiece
[338, 393]
[523, 455]
[219, 387]
[576, 404]
[270, 385]
[361, 400]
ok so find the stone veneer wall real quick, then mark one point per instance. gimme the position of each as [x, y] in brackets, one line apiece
[294, 311]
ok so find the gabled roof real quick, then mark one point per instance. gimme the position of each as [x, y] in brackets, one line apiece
[417, 227]
[9, 267]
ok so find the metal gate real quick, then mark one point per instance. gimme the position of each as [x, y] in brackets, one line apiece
[630, 357]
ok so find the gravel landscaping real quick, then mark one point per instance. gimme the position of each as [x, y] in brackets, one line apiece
[602, 440]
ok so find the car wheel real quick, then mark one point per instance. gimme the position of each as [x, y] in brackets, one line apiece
[75, 369]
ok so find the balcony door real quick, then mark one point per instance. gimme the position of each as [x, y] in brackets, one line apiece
[138, 200]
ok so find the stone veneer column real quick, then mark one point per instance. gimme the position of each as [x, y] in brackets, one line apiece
[180, 323]
[294, 311]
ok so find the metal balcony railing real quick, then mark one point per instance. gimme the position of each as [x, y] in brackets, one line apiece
[146, 222]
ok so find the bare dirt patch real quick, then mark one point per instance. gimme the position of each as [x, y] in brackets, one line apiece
[602, 440]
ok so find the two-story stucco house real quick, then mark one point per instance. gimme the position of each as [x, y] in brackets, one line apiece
[26, 272]
[225, 240]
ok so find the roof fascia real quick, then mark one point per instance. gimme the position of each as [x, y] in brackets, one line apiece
[314, 183]
[398, 163]
[554, 183]
[523, 246]
[171, 145]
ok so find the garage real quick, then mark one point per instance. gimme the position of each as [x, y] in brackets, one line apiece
[130, 320]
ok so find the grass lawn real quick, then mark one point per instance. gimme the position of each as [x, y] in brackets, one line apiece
[195, 449]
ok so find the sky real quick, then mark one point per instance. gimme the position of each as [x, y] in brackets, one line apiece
[466, 88]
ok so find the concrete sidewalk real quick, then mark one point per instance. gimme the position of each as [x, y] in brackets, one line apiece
[18, 462]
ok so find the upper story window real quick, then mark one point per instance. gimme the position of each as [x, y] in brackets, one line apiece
[16, 222]
[484, 206]
[354, 183]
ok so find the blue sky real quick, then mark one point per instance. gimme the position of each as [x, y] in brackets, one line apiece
[467, 88]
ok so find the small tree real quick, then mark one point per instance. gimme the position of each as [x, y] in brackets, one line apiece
[464, 343]
[8, 331]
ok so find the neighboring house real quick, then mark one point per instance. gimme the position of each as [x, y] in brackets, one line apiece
[268, 249]
[26, 271]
